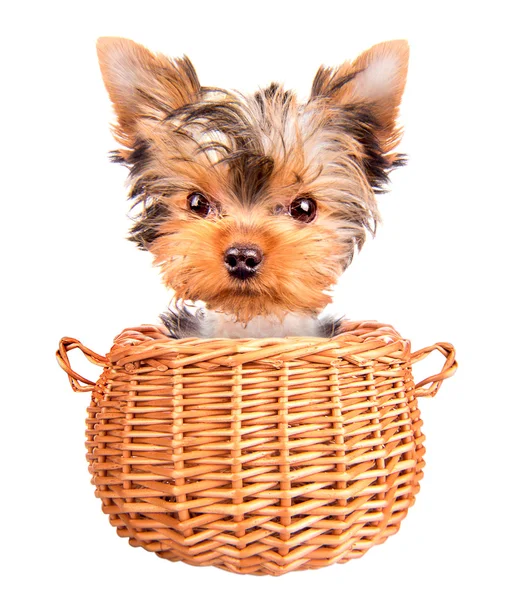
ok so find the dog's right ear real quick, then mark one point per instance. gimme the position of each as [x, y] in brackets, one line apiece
[143, 86]
[373, 82]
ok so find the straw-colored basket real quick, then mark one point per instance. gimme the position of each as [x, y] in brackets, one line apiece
[257, 456]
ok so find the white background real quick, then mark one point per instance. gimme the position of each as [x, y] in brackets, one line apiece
[435, 271]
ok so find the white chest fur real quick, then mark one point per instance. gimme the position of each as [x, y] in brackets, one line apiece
[221, 325]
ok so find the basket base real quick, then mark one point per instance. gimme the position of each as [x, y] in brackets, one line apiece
[252, 561]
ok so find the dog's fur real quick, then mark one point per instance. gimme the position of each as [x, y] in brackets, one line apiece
[212, 169]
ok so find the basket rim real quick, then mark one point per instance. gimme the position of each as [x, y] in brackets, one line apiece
[360, 342]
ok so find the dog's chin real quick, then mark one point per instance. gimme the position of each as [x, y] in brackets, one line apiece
[243, 302]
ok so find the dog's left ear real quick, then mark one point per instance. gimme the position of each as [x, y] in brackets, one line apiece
[143, 87]
[372, 86]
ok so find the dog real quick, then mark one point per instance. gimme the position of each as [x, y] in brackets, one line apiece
[253, 205]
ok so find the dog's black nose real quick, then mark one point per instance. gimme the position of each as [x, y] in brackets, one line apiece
[242, 262]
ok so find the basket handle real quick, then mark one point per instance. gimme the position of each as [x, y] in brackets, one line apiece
[447, 371]
[67, 344]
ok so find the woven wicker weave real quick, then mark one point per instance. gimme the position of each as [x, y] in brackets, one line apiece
[257, 456]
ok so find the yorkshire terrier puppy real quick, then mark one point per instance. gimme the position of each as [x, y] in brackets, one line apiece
[253, 204]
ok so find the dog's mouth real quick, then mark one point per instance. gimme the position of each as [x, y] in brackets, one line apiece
[268, 274]
[250, 286]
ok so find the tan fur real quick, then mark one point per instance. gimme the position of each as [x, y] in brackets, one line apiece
[385, 104]
[300, 264]
[313, 149]
[127, 68]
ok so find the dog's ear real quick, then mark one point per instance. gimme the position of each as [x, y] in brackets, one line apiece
[143, 86]
[372, 86]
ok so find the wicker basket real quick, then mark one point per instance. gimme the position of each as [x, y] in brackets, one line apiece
[257, 456]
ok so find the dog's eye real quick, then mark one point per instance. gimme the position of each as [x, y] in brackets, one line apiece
[198, 204]
[303, 209]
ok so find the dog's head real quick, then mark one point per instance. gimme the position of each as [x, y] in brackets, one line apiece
[254, 204]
